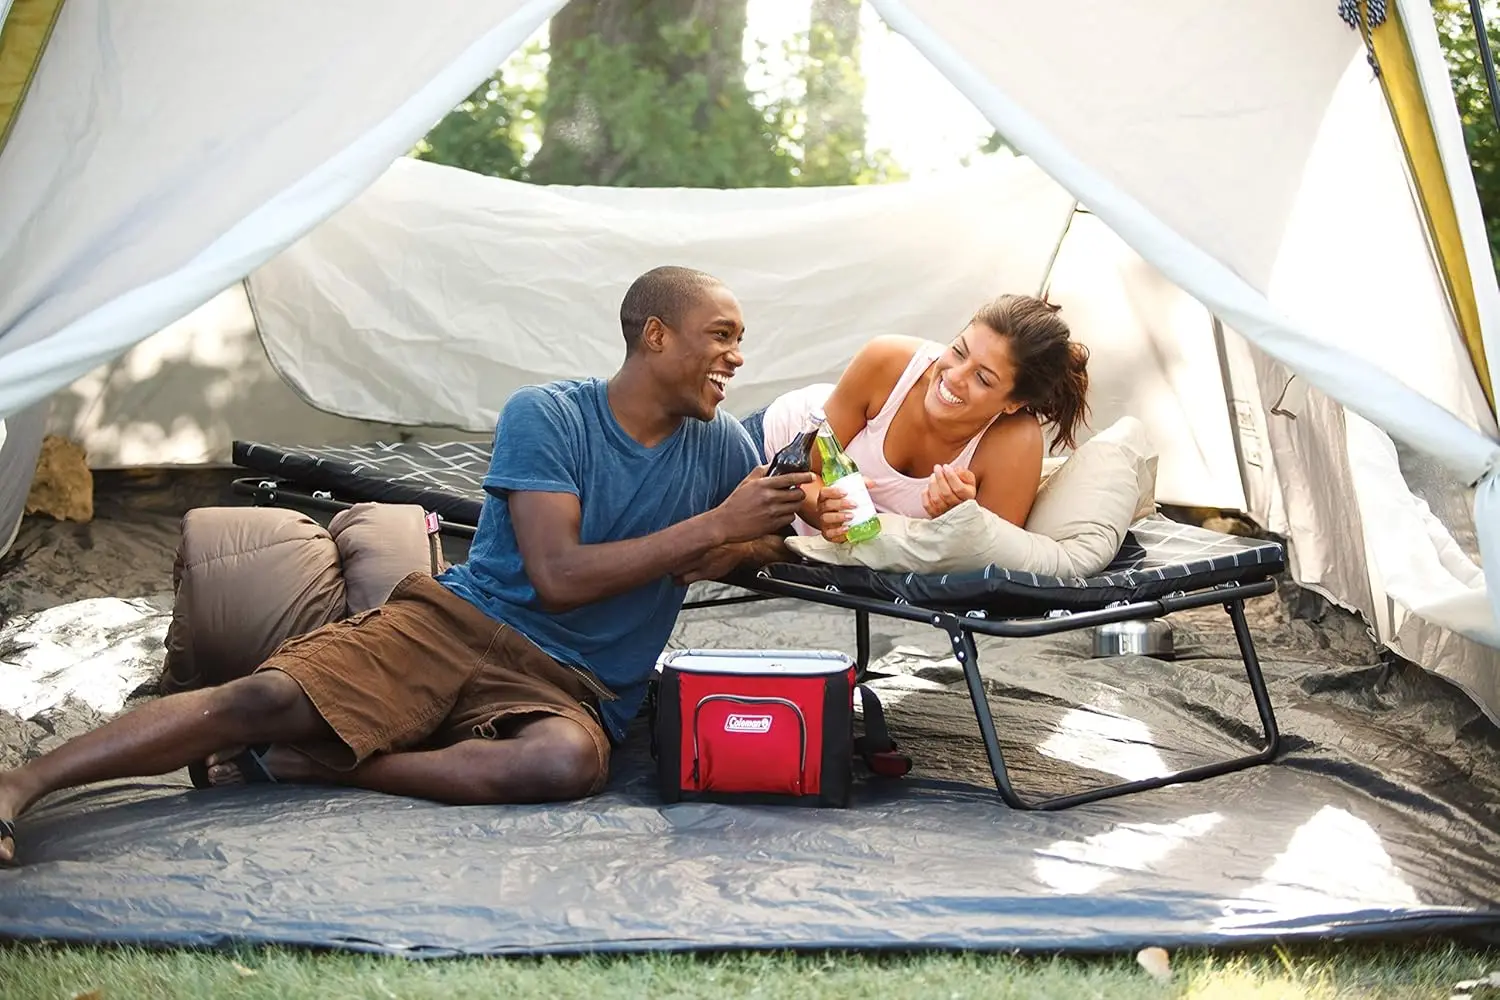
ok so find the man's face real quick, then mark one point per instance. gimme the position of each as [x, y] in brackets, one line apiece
[700, 356]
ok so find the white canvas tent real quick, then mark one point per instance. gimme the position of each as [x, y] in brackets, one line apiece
[1297, 242]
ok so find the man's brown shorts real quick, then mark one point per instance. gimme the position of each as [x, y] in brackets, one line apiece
[428, 669]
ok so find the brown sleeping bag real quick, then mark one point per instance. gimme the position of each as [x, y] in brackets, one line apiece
[248, 578]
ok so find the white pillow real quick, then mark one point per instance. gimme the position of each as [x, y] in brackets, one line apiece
[1075, 529]
[1106, 486]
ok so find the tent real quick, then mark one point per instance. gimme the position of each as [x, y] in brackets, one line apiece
[1275, 253]
[1289, 241]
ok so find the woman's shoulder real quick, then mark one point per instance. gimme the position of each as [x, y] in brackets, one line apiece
[884, 358]
[1012, 441]
[895, 346]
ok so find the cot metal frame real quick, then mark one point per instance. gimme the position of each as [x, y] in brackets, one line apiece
[960, 627]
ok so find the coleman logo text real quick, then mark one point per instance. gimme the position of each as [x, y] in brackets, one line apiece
[737, 723]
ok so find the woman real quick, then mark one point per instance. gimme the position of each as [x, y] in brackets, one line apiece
[932, 426]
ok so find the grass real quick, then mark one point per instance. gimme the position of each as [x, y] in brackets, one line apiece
[1322, 972]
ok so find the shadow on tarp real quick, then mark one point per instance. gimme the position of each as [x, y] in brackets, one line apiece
[1381, 818]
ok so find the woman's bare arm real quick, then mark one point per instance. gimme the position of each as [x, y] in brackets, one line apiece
[1007, 467]
[858, 396]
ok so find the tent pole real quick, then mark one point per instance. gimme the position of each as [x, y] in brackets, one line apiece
[1486, 59]
[1046, 283]
[1234, 417]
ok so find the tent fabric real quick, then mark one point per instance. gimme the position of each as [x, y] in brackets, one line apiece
[1153, 356]
[25, 29]
[454, 289]
[183, 395]
[21, 438]
[1416, 21]
[165, 150]
[1403, 90]
[989, 61]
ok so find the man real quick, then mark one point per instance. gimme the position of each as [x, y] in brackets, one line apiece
[510, 677]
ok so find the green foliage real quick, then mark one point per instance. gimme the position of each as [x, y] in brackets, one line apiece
[636, 117]
[488, 132]
[643, 93]
[825, 123]
[662, 101]
[1461, 49]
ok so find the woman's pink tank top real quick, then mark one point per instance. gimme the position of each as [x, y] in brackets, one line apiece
[892, 491]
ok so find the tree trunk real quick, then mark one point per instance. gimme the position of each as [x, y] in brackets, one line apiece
[834, 135]
[629, 84]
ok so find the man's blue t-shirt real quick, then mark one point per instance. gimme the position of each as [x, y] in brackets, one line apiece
[562, 437]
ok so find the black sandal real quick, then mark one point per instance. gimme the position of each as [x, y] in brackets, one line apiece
[250, 761]
[8, 832]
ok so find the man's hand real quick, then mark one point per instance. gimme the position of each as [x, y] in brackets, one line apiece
[716, 563]
[760, 505]
[947, 487]
[713, 564]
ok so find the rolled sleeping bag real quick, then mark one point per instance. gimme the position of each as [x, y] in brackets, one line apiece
[246, 578]
[249, 578]
[380, 544]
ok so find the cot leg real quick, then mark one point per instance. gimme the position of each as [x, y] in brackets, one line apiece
[968, 658]
[861, 643]
[967, 653]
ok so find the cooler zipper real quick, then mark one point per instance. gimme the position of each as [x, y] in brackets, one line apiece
[755, 700]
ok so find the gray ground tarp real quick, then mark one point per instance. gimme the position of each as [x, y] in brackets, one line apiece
[1382, 817]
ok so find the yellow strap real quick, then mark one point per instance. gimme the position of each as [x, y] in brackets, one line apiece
[23, 39]
[1403, 93]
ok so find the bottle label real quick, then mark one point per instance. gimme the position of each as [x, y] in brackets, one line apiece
[853, 487]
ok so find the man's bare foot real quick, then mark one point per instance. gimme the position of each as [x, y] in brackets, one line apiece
[13, 802]
[282, 763]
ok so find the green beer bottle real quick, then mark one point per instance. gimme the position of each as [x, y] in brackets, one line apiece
[841, 472]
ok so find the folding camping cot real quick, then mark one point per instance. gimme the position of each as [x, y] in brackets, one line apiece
[1162, 567]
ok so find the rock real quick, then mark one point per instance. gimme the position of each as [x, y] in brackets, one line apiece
[63, 487]
[1231, 526]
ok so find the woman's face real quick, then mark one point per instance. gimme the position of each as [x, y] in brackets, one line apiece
[972, 379]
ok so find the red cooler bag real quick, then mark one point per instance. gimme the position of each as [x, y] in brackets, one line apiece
[759, 726]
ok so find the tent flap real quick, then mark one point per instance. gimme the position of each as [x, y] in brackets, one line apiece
[1398, 73]
[167, 149]
[25, 31]
[455, 289]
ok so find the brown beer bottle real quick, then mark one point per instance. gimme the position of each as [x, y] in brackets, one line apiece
[797, 455]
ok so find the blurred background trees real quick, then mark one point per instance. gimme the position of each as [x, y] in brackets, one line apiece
[679, 93]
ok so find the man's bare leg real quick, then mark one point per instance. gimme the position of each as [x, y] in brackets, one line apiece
[547, 759]
[164, 735]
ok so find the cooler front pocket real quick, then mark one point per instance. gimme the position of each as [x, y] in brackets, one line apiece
[747, 743]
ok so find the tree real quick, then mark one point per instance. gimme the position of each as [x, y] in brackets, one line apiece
[652, 92]
[487, 133]
[834, 149]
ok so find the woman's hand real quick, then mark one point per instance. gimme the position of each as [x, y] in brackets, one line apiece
[947, 487]
[833, 512]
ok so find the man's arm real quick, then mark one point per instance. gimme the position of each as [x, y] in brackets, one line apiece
[760, 551]
[719, 561]
[534, 468]
[568, 574]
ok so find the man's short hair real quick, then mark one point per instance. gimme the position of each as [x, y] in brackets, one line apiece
[664, 292]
